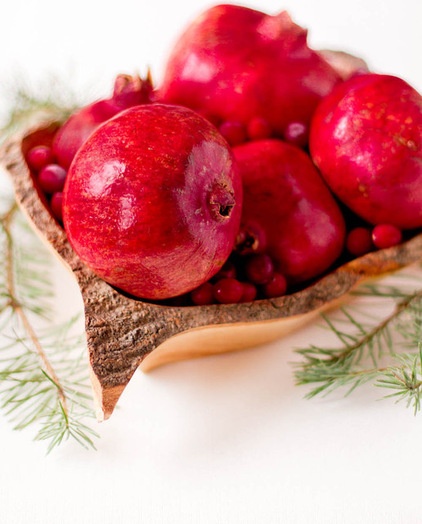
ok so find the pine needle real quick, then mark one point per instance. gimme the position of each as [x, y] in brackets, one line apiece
[384, 351]
[44, 380]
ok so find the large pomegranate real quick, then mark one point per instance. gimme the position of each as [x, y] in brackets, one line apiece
[152, 201]
[366, 138]
[288, 208]
[237, 64]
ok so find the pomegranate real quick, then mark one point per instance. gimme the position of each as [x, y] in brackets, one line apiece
[344, 63]
[237, 64]
[285, 195]
[128, 91]
[152, 201]
[366, 139]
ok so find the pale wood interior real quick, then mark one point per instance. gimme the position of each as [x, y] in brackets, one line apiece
[212, 340]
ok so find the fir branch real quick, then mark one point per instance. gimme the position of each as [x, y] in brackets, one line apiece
[50, 100]
[405, 379]
[386, 351]
[43, 380]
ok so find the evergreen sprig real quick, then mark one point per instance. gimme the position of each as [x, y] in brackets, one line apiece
[43, 373]
[386, 351]
[51, 99]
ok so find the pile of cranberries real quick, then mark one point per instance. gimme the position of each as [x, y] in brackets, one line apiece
[50, 177]
[243, 175]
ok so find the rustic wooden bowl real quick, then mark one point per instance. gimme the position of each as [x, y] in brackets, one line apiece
[124, 334]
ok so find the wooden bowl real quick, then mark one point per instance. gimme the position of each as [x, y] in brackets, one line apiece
[124, 334]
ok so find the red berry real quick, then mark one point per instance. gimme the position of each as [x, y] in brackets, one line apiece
[228, 291]
[259, 268]
[227, 271]
[258, 128]
[249, 292]
[39, 156]
[359, 241]
[51, 178]
[233, 132]
[276, 287]
[296, 134]
[386, 235]
[203, 294]
[56, 205]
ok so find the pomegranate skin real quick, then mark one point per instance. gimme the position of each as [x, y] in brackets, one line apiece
[152, 201]
[366, 139]
[285, 195]
[128, 91]
[237, 64]
[344, 63]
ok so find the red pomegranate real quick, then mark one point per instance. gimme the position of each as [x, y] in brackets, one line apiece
[237, 64]
[152, 201]
[128, 91]
[366, 139]
[287, 202]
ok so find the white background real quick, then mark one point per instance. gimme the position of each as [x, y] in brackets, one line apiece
[227, 439]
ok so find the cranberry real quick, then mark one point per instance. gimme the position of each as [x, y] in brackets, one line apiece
[258, 128]
[233, 132]
[259, 268]
[227, 271]
[386, 235]
[228, 291]
[359, 241]
[39, 156]
[203, 294]
[51, 178]
[296, 134]
[56, 205]
[249, 292]
[276, 287]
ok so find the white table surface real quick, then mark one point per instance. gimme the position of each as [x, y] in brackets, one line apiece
[227, 439]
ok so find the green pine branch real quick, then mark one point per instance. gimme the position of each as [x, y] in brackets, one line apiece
[385, 351]
[43, 370]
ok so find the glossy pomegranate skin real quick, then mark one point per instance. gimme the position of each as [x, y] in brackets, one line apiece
[285, 195]
[152, 201]
[237, 64]
[366, 139]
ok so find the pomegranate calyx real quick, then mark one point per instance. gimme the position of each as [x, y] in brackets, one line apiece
[130, 90]
[273, 27]
[221, 202]
[250, 239]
